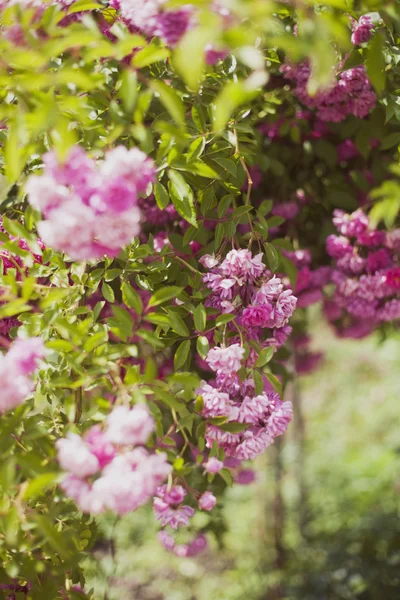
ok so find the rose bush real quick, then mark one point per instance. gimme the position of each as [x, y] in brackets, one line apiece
[172, 177]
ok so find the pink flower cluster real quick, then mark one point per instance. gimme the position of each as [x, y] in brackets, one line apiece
[241, 285]
[265, 414]
[366, 275]
[16, 368]
[362, 29]
[109, 469]
[351, 94]
[170, 25]
[90, 211]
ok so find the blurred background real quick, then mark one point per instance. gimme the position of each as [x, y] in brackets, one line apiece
[320, 521]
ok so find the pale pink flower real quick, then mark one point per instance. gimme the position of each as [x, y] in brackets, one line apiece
[75, 456]
[207, 501]
[127, 426]
[226, 360]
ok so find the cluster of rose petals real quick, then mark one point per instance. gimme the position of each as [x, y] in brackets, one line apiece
[109, 469]
[90, 210]
[16, 368]
[265, 414]
[168, 507]
[351, 94]
[241, 285]
[362, 29]
[366, 274]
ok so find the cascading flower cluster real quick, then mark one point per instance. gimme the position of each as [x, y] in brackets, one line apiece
[16, 368]
[262, 306]
[351, 94]
[90, 210]
[265, 414]
[109, 469]
[366, 275]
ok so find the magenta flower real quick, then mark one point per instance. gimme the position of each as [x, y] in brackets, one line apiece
[174, 517]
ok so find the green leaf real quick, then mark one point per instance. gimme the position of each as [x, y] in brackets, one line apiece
[272, 256]
[196, 149]
[163, 295]
[232, 95]
[101, 337]
[274, 381]
[171, 101]
[38, 485]
[131, 298]
[265, 356]
[149, 55]
[375, 63]
[223, 319]
[200, 316]
[258, 382]
[108, 292]
[234, 427]
[289, 269]
[161, 194]
[57, 540]
[226, 476]
[182, 197]
[202, 346]
[177, 323]
[128, 90]
[189, 58]
[181, 354]
[169, 400]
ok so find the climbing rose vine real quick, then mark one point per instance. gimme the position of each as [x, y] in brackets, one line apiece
[179, 185]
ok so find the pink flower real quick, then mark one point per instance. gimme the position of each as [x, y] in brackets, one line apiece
[253, 444]
[100, 446]
[226, 360]
[392, 277]
[26, 354]
[15, 368]
[338, 246]
[256, 316]
[173, 496]
[280, 419]
[284, 308]
[207, 501]
[166, 540]
[209, 261]
[242, 265]
[75, 456]
[129, 426]
[133, 165]
[213, 465]
[269, 291]
[174, 517]
[216, 403]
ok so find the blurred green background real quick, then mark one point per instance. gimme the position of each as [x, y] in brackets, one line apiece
[321, 522]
